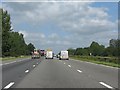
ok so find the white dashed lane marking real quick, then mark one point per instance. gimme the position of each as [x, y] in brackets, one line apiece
[26, 71]
[9, 85]
[10, 62]
[108, 86]
[33, 65]
[69, 65]
[79, 71]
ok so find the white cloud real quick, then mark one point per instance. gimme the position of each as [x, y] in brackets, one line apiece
[25, 34]
[84, 22]
[53, 36]
[87, 20]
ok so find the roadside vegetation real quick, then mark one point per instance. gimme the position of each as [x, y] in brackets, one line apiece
[13, 43]
[109, 61]
[99, 54]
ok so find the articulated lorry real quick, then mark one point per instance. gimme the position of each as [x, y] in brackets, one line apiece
[42, 52]
[36, 54]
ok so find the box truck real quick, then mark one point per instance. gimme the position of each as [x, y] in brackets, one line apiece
[49, 54]
[64, 55]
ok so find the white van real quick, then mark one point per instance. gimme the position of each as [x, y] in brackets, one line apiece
[64, 55]
[49, 55]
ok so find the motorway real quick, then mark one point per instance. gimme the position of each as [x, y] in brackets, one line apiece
[54, 73]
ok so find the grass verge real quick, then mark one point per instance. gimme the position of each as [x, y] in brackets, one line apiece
[97, 60]
[13, 58]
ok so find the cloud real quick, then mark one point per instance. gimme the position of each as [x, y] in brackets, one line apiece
[91, 20]
[50, 41]
[84, 22]
[25, 34]
[53, 36]
[76, 17]
[41, 10]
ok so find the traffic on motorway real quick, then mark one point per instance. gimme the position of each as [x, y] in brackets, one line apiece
[57, 71]
[49, 54]
[59, 44]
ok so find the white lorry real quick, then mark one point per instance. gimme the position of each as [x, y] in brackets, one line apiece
[64, 55]
[49, 54]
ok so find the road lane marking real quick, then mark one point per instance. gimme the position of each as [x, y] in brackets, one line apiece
[69, 65]
[14, 62]
[9, 63]
[26, 71]
[79, 71]
[95, 64]
[64, 63]
[9, 85]
[33, 65]
[108, 86]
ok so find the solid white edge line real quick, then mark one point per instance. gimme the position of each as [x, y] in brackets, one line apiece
[9, 63]
[79, 71]
[69, 65]
[95, 64]
[9, 85]
[108, 86]
[14, 62]
[26, 71]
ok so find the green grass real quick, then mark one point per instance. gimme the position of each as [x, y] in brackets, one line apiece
[109, 61]
[13, 58]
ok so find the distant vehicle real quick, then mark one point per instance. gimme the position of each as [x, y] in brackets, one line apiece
[58, 56]
[64, 55]
[42, 52]
[35, 54]
[49, 54]
[54, 55]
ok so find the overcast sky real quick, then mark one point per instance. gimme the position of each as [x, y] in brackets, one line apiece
[63, 25]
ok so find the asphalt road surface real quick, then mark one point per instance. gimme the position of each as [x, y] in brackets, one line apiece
[54, 73]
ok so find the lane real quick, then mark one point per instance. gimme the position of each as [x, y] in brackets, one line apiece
[14, 72]
[99, 73]
[55, 74]
[58, 74]
[13, 61]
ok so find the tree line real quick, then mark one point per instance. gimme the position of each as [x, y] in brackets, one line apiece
[13, 43]
[95, 49]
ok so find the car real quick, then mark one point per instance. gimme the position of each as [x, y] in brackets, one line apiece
[54, 55]
[58, 56]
